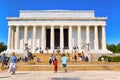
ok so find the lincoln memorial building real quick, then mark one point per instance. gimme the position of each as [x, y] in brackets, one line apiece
[67, 30]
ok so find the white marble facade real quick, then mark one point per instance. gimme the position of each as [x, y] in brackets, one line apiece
[74, 28]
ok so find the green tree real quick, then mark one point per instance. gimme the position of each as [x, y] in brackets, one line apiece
[3, 47]
[112, 47]
[118, 48]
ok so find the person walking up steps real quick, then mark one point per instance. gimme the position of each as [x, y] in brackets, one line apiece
[64, 62]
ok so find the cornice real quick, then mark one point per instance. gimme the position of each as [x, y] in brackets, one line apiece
[48, 18]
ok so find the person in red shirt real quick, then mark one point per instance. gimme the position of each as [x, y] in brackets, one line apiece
[55, 63]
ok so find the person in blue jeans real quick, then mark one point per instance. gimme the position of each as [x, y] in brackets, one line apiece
[13, 61]
[64, 62]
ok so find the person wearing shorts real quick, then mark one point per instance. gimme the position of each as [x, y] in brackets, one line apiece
[64, 62]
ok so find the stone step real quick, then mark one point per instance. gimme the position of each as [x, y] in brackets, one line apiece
[69, 67]
[72, 66]
[34, 62]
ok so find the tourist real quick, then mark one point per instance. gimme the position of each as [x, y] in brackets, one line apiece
[75, 57]
[13, 61]
[50, 60]
[55, 63]
[38, 59]
[41, 51]
[86, 59]
[58, 50]
[64, 62]
[3, 61]
[102, 58]
[81, 58]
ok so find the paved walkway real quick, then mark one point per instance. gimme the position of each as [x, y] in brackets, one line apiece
[72, 75]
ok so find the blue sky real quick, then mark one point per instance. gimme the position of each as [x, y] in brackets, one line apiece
[109, 8]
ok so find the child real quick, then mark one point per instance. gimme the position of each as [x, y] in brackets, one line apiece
[55, 63]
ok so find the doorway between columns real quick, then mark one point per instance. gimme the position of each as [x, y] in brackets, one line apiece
[56, 38]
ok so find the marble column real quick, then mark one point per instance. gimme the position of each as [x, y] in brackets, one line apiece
[87, 37]
[79, 37]
[61, 38]
[34, 38]
[95, 37]
[9, 37]
[43, 38]
[70, 39]
[12, 39]
[103, 38]
[25, 34]
[52, 38]
[17, 42]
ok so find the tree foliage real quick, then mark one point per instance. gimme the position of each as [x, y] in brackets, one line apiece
[110, 58]
[114, 48]
[3, 47]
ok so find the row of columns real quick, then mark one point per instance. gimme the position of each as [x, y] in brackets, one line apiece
[11, 32]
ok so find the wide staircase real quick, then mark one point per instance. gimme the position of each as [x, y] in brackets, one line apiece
[72, 65]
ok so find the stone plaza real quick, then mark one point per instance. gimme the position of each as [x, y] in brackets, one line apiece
[72, 75]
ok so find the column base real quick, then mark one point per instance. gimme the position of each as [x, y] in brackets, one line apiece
[100, 51]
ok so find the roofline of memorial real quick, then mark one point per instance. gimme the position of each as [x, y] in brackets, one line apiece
[65, 18]
[65, 11]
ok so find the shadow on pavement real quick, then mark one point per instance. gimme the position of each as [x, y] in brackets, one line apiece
[22, 73]
[65, 78]
[5, 77]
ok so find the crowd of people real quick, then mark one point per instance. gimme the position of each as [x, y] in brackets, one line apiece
[12, 60]
[53, 60]
[9, 62]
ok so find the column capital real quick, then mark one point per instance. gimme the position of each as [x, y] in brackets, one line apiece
[70, 25]
[52, 25]
[43, 25]
[61, 25]
[103, 26]
[95, 25]
[87, 25]
[79, 25]
[18, 25]
[26, 25]
[34, 25]
[10, 25]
